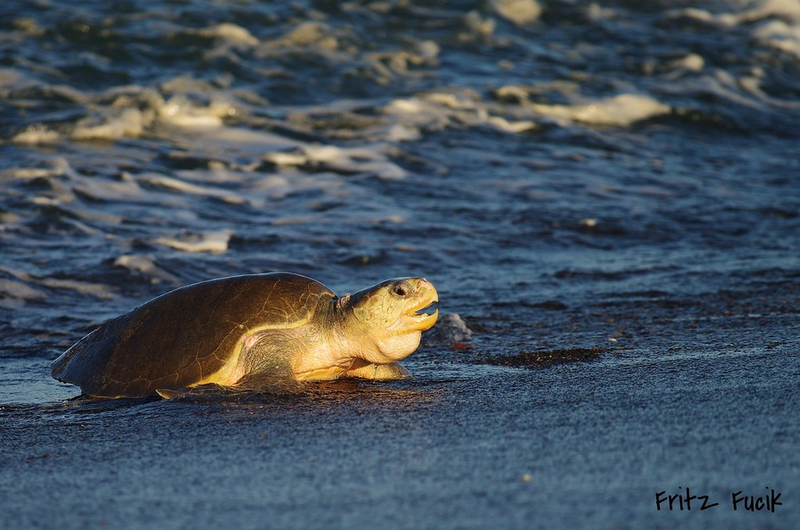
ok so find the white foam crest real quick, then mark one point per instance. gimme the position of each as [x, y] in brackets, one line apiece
[231, 33]
[476, 27]
[178, 111]
[128, 123]
[510, 126]
[146, 265]
[128, 112]
[127, 116]
[415, 107]
[97, 290]
[178, 108]
[701, 15]
[27, 173]
[191, 189]
[759, 10]
[787, 9]
[359, 160]
[385, 65]
[399, 132]
[677, 68]
[295, 220]
[692, 62]
[448, 109]
[305, 35]
[621, 110]
[445, 109]
[37, 134]
[517, 11]
[136, 263]
[215, 242]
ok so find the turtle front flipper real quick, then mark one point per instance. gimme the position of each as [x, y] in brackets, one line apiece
[268, 383]
[378, 372]
[266, 362]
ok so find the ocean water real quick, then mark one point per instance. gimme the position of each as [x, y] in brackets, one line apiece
[617, 179]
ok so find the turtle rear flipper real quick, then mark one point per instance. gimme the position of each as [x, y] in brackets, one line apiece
[167, 393]
[200, 391]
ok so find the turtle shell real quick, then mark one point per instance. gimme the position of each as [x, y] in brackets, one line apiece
[187, 336]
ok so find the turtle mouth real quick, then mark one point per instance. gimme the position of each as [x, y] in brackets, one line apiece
[423, 315]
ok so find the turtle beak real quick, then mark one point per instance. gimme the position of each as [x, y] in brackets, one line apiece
[423, 314]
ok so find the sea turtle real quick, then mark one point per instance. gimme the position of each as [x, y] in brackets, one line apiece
[252, 332]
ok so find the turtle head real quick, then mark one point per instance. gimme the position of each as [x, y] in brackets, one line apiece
[390, 317]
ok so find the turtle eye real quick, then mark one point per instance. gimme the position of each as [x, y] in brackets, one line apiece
[400, 289]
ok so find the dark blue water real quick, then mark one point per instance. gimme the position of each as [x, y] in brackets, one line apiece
[614, 177]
